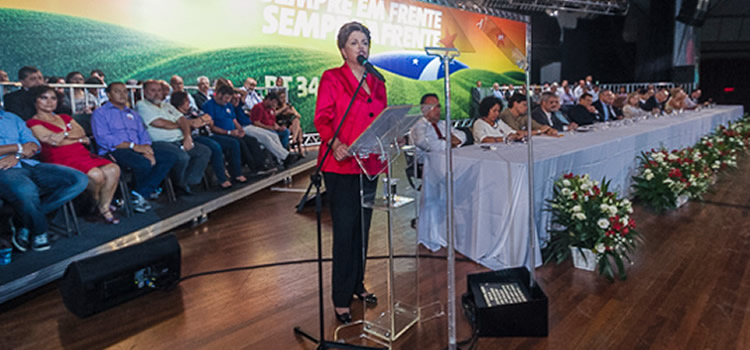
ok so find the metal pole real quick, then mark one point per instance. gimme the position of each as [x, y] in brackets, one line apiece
[532, 231]
[449, 209]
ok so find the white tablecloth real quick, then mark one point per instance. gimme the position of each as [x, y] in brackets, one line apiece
[491, 187]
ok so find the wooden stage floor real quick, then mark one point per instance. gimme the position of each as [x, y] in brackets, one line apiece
[689, 288]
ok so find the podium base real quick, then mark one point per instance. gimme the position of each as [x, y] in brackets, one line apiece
[405, 316]
[507, 306]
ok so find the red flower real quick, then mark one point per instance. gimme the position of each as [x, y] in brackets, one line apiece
[575, 195]
[596, 190]
[653, 163]
[631, 223]
[617, 226]
[676, 173]
[625, 231]
[568, 176]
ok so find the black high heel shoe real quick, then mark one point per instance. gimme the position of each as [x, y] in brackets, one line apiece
[345, 318]
[370, 299]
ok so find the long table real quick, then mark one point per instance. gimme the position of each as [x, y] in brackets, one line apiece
[491, 210]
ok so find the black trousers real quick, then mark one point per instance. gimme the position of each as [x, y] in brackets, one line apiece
[351, 233]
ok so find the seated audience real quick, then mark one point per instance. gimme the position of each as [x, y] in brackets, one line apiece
[676, 102]
[121, 132]
[548, 114]
[268, 138]
[693, 100]
[567, 98]
[631, 108]
[171, 133]
[516, 116]
[20, 102]
[63, 141]
[584, 113]
[178, 84]
[253, 97]
[488, 128]
[62, 104]
[202, 95]
[428, 134]
[225, 123]
[100, 93]
[580, 89]
[219, 144]
[262, 116]
[31, 188]
[83, 102]
[607, 112]
[655, 103]
[287, 116]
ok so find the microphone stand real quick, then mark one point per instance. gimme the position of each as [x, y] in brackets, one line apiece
[315, 180]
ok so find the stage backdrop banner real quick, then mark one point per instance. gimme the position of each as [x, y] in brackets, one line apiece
[236, 39]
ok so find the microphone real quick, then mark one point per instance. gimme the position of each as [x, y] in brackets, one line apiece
[370, 68]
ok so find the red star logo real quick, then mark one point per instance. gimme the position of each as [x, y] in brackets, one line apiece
[447, 41]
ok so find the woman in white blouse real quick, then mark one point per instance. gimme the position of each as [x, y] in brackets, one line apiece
[631, 108]
[488, 128]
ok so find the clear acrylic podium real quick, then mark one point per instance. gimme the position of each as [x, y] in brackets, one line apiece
[376, 151]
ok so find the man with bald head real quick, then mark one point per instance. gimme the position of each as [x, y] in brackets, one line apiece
[604, 105]
[253, 97]
[171, 133]
[655, 104]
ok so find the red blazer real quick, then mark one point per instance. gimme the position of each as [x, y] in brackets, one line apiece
[334, 93]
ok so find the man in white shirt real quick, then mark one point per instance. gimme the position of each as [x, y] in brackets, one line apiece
[580, 89]
[428, 134]
[253, 97]
[171, 132]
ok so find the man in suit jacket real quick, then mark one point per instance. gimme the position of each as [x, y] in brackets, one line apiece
[604, 106]
[20, 101]
[548, 113]
[655, 104]
[476, 97]
[583, 113]
[515, 116]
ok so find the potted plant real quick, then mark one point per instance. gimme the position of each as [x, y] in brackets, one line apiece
[590, 220]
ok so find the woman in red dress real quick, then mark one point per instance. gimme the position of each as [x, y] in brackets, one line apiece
[63, 143]
[351, 223]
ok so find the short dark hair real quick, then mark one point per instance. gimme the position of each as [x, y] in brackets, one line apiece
[427, 95]
[224, 90]
[70, 76]
[109, 87]
[25, 71]
[93, 81]
[349, 28]
[178, 98]
[487, 104]
[516, 98]
[272, 95]
[39, 90]
[584, 95]
[97, 71]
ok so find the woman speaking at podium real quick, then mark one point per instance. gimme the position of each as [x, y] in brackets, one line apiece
[340, 169]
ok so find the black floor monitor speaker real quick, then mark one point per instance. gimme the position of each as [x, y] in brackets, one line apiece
[100, 282]
[504, 305]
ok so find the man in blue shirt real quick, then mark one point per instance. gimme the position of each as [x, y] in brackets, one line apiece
[120, 131]
[225, 123]
[33, 189]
